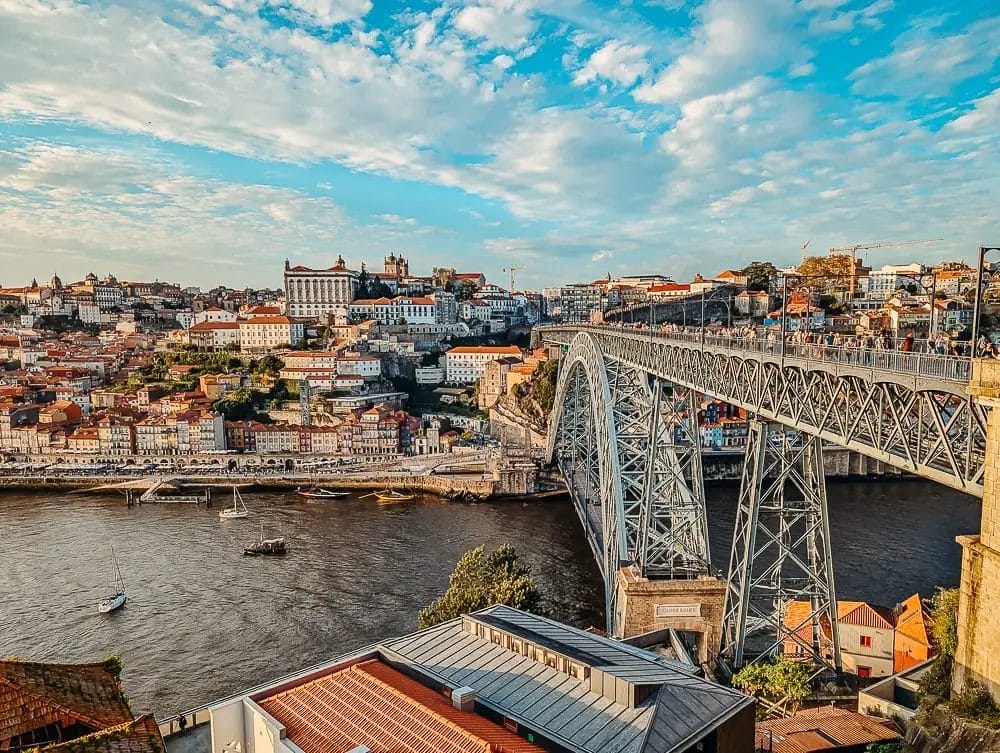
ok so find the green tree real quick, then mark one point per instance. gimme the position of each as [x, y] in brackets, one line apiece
[269, 364]
[464, 290]
[481, 580]
[944, 620]
[761, 275]
[826, 273]
[891, 746]
[237, 405]
[776, 680]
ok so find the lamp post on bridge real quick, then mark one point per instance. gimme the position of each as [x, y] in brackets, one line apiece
[977, 306]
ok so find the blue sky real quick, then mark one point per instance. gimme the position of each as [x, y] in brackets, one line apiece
[207, 140]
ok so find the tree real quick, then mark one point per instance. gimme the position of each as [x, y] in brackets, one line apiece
[378, 289]
[464, 290]
[269, 364]
[827, 273]
[481, 580]
[776, 680]
[761, 275]
[237, 405]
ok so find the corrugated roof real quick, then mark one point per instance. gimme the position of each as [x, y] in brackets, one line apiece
[822, 729]
[374, 705]
[563, 707]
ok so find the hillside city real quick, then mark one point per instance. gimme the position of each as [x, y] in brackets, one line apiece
[350, 363]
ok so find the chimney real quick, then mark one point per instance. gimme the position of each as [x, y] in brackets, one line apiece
[464, 698]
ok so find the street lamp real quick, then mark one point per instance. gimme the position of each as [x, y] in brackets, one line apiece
[983, 250]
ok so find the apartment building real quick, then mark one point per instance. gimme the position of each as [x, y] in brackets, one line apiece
[399, 310]
[263, 333]
[466, 364]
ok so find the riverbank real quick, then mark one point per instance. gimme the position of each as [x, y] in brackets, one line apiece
[448, 487]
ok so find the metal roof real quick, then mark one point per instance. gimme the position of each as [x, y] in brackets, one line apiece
[564, 708]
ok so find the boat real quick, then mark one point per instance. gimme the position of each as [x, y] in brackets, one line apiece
[316, 493]
[118, 598]
[238, 510]
[265, 546]
[389, 496]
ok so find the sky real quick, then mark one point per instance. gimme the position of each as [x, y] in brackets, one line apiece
[206, 141]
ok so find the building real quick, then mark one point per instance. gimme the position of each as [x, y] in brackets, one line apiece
[263, 333]
[735, 277]
[494, 382]
[578, 302]
[67, 708]
[668, 290]
[311, 293]
[823, 729]
[754, 303]
[895, 697]
[217, 385]
[466, 364]
[495, 680]
[399, 310]
[882, 283]
[875, 641]
[214, 335]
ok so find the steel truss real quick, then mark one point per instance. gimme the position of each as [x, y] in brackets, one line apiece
[628, 449]
[925, 425]
[781, 554]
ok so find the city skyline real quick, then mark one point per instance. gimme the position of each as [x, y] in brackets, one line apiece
[572, 138]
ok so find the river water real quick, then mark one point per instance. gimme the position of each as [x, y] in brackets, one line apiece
[202, 621]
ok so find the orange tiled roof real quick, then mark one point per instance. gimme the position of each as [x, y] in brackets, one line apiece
[374, 705]
[814, 729]
[33, 695]
[140, 735]
[912, 620]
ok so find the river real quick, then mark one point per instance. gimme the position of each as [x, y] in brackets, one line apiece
[203, 621]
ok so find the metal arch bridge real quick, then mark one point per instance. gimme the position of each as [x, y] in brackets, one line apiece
[624, 433]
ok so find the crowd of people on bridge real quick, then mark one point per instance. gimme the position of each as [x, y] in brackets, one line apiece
[770, 337]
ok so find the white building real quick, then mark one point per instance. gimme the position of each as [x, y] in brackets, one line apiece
[359, 364]
[269, 332]
[311, 293]
[882, 283]
[465, 365]
[429, 374]
[446, 307]
[214, 335]
[401, 309]
[214, 314]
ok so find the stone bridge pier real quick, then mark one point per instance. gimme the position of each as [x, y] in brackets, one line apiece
[977, 658]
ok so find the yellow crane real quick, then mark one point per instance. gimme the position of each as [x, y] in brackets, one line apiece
[512, 270]
[853, 251]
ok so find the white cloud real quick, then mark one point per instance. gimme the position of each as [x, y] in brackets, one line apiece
[395, 219]
[926, 63]
[616, 61]
[802, 70]
[499, 23]
[503, 62]
[322, 12]
[601, 255]
[734, 40]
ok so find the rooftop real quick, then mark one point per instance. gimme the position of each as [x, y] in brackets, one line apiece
[822, 729]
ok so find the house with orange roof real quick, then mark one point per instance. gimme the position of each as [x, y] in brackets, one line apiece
[823, 729]
[875, 641]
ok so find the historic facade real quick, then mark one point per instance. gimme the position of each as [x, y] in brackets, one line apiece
[311, 293]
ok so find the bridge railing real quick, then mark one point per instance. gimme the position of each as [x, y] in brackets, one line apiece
[924, 364]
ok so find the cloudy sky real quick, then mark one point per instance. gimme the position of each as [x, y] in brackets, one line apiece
[207, 140]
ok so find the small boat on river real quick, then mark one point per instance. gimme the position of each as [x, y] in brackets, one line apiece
[391, 496]
[238, 510]
[118, 598]
[265, 546]
[316, 493]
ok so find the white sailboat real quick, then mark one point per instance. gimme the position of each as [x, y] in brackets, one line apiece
[238, 510]
[118, 598]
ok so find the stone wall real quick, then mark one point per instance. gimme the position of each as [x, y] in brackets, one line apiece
[977, 658]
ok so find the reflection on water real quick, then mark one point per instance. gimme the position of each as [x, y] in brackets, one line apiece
[203, 621]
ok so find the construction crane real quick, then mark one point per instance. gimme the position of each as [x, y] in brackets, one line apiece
[853, 251]
[804, 247]
[512, 270]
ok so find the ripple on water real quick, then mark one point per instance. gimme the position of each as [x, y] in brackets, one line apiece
[203, 621]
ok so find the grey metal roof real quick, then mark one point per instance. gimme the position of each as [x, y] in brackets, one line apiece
[562, 707]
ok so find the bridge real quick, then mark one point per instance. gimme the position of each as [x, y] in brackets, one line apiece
[624, 433]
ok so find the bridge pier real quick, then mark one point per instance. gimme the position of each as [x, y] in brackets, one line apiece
[780, 555]
[976, 656]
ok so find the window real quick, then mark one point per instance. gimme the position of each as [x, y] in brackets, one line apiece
[866, 641]
[864, 672]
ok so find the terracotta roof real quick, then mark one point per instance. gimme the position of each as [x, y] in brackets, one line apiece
[33, 695]
[912, 620]
[822, 729]
[265, 320]
[374, 705]
[140, 735]
[668, 287]
[209, 326]
[505, 349]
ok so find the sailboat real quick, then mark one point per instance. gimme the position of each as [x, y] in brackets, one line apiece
[117, 599]
[265, 546]
[238, 510]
